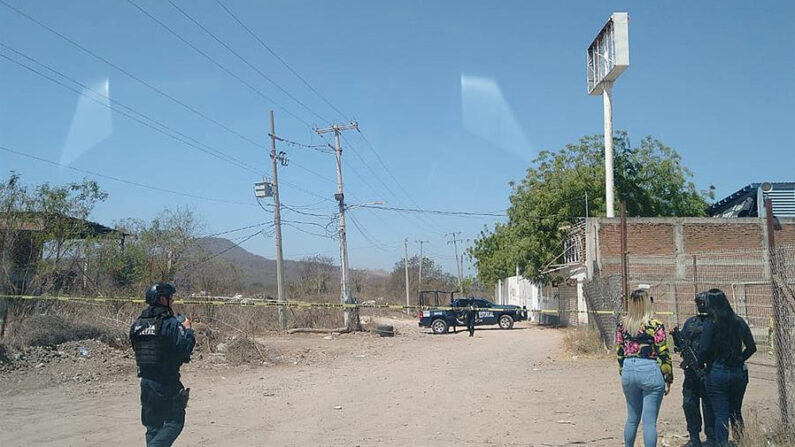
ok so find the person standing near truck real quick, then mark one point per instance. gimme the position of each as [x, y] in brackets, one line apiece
[471, 319]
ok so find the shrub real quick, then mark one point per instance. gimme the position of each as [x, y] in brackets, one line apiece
[584, 342]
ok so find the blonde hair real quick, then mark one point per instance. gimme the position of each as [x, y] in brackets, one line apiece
[639, 311]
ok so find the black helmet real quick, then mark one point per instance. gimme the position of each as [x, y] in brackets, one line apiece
[155, 291]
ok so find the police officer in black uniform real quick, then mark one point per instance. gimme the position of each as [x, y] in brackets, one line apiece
[162, 343]
[693, 390]
[471, 319]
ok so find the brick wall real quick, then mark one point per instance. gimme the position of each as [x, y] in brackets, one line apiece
[730, 254]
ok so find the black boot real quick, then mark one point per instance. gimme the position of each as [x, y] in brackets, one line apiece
[694, 441]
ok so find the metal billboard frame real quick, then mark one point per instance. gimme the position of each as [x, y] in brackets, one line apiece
[608, 55]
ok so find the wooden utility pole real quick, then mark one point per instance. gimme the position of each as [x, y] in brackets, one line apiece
[406, 268]
[277, 221]
[419, 281]
[624, 266]
[351, 314]
[454, 240]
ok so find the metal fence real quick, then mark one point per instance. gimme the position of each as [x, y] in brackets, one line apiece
[782, 263]
[603, 297]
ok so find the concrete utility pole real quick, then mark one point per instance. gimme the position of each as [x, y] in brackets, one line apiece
[406, 268]
[351, 315]
[454, 240]
[419, 281]
[609, 190]
[277, 221]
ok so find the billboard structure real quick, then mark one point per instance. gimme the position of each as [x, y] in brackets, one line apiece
[608, 57]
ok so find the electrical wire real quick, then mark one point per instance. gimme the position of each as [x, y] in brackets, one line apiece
[182, 139]
[236, 230]
[325, 148]
[234, 245]
[439, 212]
[130, 75]
[216, 63]
[367, 235]
[244, 60]
[264, 45]
[121, 180]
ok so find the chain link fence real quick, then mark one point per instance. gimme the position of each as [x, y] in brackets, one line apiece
[603, 297]
[760, 285]
[782, 266]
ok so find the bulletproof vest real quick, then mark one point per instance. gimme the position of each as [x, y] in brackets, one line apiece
[694, 330]
[148, 343]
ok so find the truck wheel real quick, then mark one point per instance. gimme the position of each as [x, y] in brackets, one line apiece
[506, 322]
[439, 326]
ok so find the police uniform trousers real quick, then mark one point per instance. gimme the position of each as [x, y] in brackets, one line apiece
[161, 412]
[693, 393]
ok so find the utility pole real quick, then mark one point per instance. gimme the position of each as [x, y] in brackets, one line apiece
[419, 281]
[277, 220]
[454, 240]
[351, 315]
[624, 252]
[406, 268]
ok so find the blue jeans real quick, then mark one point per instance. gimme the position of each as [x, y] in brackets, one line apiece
[643, 386]
[725, 387]
[162, 416]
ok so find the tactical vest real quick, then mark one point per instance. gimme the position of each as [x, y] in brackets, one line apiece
[148, 344]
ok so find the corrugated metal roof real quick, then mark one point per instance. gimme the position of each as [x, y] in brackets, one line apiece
[744, 202]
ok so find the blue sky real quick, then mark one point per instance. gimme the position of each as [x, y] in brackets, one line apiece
[714, 80]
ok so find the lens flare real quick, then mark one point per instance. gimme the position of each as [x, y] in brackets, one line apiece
[488, 115]
[91, 122]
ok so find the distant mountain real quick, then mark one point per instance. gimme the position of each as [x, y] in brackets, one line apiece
[255, 269]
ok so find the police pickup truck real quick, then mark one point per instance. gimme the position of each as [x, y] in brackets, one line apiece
[455, 312]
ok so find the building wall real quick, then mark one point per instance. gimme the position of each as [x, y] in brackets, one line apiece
[676, 257]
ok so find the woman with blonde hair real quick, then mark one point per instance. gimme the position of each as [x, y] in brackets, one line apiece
[645, 367]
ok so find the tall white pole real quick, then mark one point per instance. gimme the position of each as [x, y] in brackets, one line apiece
[608, 104]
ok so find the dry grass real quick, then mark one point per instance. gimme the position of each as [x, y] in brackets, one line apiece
[765, 434]
[51, 330]
[584, 342]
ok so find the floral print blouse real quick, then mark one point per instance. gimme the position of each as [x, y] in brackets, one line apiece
[649, 342]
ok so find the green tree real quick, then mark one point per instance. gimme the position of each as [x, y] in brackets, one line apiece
[650, 177]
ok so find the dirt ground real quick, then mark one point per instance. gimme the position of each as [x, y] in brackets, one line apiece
[500, 388]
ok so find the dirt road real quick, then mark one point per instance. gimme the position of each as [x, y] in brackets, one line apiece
[499, 388]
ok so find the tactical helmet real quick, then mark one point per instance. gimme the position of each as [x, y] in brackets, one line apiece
[155, 291]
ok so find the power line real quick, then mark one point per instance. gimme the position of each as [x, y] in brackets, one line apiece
[234, 245]
[252, 34]
[325, 148]
[366, 234]
[130, 75]
[181, 137]
[121, 180]
[236, 230]
[216, 63]
[244, 60]
[439, 212]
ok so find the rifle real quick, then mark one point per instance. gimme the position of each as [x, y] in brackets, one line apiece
[689, 355]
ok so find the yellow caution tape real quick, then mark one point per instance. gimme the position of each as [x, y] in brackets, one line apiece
[256, 302]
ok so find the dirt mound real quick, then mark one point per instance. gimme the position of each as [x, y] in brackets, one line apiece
[244, 350]
[52, 330]
[82, 361]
